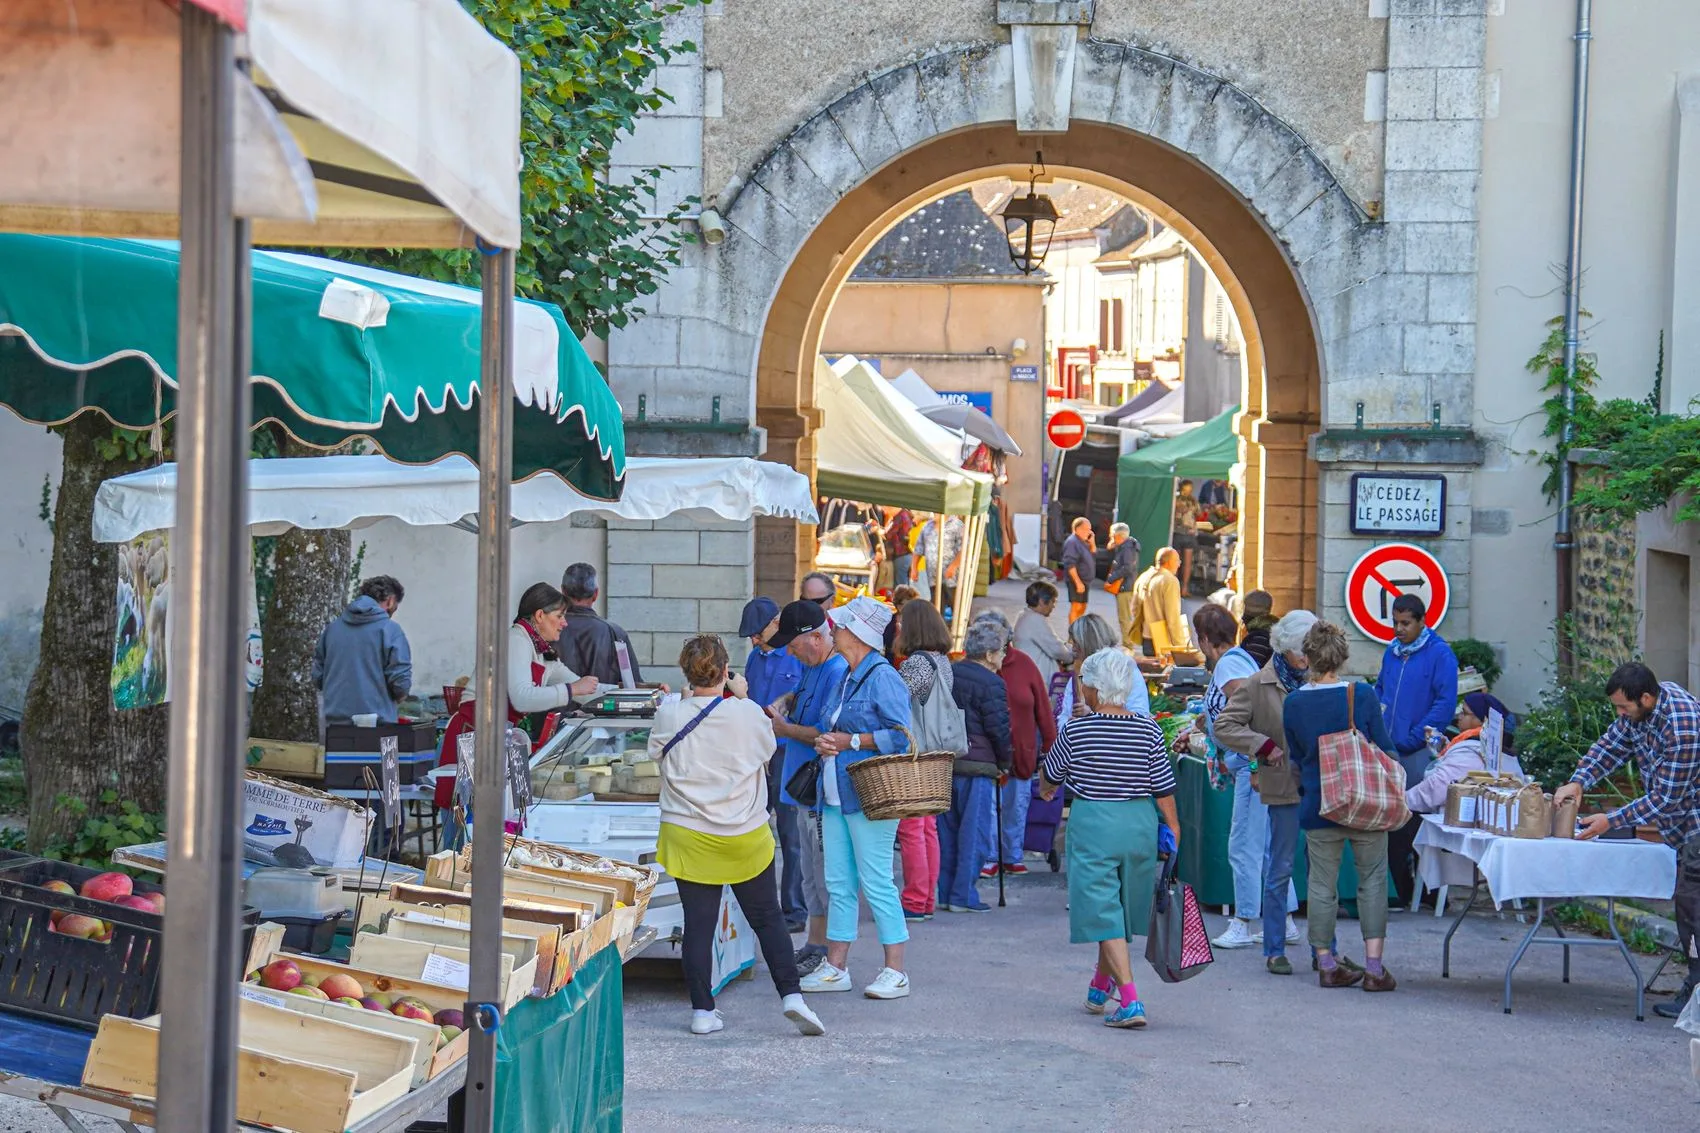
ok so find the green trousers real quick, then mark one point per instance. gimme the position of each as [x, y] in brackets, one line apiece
[1325, 847]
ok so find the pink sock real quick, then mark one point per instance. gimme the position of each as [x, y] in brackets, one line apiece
[1130, 994]
[1101, 982]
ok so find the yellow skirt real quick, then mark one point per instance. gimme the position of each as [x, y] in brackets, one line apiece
[713, 859]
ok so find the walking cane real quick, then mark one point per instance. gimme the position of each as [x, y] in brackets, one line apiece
[997, 836]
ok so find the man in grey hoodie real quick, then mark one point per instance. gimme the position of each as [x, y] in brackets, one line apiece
[363, 664]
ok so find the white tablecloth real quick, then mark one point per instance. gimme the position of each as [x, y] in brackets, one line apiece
[1517, 868]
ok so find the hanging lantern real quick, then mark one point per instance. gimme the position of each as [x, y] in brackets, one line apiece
[1029, 222]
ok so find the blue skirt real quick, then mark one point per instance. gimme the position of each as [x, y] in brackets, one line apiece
[1111, 850]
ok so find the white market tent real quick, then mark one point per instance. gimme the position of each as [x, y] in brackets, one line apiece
[329, 492]
[874, 446]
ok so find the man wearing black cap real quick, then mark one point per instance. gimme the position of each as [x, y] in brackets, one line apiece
[773, 675]
[805, 632]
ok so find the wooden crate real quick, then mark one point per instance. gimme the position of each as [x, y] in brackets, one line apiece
[428, 1035]
[283, 757]
[380, 914]
[631, 882]
[447, 871]
[379, 953]
[293, 1071]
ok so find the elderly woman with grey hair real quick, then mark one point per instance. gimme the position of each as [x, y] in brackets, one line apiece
[1116, 767]
[968, 830]
[1092, 634]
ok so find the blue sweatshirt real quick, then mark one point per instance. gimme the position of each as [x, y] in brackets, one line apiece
[1417, 691]
[362, 664]
[1308, 715]
[817, 690]
[772, 674]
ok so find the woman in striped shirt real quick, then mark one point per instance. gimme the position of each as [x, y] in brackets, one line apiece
[1115, 765]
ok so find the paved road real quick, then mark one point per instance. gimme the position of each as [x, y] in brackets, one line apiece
[993, 1038]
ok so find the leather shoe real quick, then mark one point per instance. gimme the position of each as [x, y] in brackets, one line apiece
[1672, 1009]
[1345, 962]
[1337, 976]
[1383, 982]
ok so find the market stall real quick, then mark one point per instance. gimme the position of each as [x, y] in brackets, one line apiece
[301, 139]
[1146, 481]
[876, 448]
[1547, 869]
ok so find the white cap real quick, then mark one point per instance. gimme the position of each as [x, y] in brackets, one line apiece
[866, 618]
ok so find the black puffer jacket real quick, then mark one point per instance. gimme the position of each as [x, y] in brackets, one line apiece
[985, 705]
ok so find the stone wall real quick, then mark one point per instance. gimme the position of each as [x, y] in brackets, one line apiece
[1309, 61]
[1605, 618]
[677, 577]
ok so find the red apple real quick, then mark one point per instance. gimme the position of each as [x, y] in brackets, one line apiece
[411, 1011]
[80, 925]
[57, 886]
[157, 900]
[108, 886]
[371, 1004]
[449, 1017]
[339, 985]
[347, 1001]
[104, 936]
[135, 901]
[281, 975]
[308, 991]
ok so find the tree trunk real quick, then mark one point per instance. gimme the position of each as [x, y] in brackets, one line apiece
[75, 744]
[310, 572]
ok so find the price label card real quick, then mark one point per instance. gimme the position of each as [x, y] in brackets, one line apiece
[463, 769]
[256, 995]
[446, 972]
[390, 760]
[518, 753]
[1493, 739]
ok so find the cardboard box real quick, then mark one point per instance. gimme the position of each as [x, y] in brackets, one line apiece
[289, 824]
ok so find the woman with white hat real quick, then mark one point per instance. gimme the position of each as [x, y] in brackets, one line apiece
[870, 709]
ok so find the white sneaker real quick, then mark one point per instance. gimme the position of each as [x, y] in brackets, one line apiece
[889, 984]
[706, 1022]
[1237, 936]
[827, 978]
[798, 1012]
[1294, 933]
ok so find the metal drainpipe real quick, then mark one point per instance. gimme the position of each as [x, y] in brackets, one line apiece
[1564, 540]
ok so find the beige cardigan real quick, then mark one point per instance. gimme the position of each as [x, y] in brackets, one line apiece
[1251, 724]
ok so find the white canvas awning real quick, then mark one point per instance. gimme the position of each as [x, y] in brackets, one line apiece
[384, 122]
[875, 451]
[328, 492]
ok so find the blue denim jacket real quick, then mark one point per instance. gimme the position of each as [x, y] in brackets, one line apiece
[873, 700]
[817, 691]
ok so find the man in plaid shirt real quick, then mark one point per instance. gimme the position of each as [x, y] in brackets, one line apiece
[1658, 725]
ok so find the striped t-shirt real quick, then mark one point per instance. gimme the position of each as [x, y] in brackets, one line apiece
[1111, 759]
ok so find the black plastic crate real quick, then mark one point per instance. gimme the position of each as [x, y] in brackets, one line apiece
[409, 737]
[343, 769]
[69, 979]
[312, 935]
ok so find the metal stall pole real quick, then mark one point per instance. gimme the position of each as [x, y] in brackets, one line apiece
[495, 488]
[201, 968]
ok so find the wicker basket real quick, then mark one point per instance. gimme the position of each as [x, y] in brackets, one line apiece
[911, 784]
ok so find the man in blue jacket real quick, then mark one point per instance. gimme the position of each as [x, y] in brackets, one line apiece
[1418, 689]
[363, 664]
[773, 675]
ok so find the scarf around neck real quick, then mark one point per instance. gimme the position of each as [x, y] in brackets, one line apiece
[1291, 679]
[1404, 652]
[544, 649]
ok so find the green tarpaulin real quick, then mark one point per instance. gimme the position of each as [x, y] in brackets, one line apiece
[561, 1061]
[338, 351]
[1145, 480]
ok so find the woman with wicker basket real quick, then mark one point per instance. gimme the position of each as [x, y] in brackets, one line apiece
[1116, 767]
[871, 718]
[713, 751]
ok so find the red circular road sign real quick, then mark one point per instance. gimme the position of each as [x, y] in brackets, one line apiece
[1066, 429]
[1384, 573]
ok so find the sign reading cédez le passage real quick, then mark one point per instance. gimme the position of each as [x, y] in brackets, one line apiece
[1398, 503]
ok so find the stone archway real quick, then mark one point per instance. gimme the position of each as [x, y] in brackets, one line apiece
[1259, 205]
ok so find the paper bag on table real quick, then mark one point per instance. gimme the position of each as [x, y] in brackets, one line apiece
[1461, 804]
[1531, 813]
[1563, 818]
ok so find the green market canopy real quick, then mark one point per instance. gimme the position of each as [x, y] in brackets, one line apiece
[338, 351]
[1145, 479]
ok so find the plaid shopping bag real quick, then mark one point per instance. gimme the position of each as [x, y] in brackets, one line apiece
[1363, 788]
[1177, 945]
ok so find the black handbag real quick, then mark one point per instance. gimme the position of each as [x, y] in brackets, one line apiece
[804, 784]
